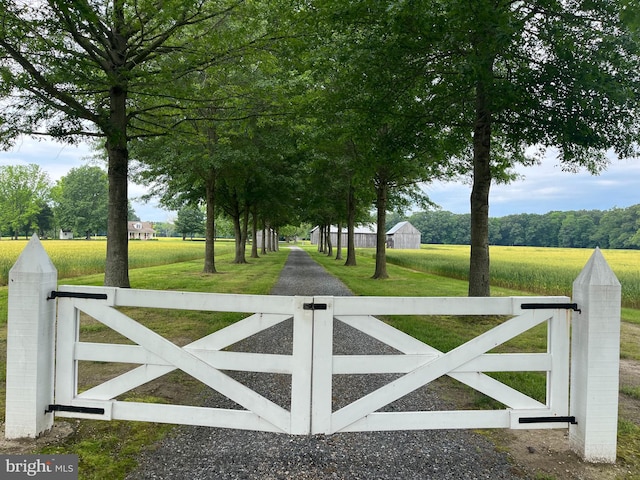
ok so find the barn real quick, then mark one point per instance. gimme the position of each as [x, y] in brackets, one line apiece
[403, 236]
[363, 237]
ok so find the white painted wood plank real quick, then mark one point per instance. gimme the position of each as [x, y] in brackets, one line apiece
[385, 333]
[504, 362]
[422, 306]
[497, 390]
[240, 330]
[436, 305]
[322, 376]
[125, 382]
[463, 419]
[116, 353]
[167, 299]
[245, 361]
[508, 362]
[67, 326]
[187, 362]
[216, 340]
[188, 415]
[367, 364]
[302, 359]
[234, 361]
[558, 346]
[446, 363]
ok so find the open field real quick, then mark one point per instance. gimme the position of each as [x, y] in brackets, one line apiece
[73, 258]
[544, 271]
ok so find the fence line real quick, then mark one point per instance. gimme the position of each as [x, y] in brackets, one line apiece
[590, 411]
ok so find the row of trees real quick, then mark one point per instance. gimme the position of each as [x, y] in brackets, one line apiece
[279, 111]
[615, 228]
[29, 202]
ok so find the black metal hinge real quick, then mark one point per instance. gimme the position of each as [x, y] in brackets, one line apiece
[571, 420]
[92, 296]
[535, 306]
[314, 306]
[71, 408]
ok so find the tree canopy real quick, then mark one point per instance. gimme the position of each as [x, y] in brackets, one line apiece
[81, 201]
[319, 111]
[24, 194]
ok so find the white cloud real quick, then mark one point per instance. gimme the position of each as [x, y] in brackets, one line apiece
[57, 159]
[546, 187]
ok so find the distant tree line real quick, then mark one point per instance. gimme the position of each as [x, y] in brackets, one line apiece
[615, 228]
[31, 203]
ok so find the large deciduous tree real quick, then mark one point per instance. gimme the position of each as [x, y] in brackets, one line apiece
[369, 93]
[24, 193]
[517, 75]
[105, 69]
[81, 201]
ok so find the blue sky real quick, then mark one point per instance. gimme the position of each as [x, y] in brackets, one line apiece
[544, 188]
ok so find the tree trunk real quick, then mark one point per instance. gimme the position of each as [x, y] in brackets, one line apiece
[339, 242]
[254, 233]
[237, 228]
[264, 239]
[351, 222]
[329, 251]
[210, 228]
[479, 284]
[321, 238]
[116, 272]
[381, 254]
[245, 232]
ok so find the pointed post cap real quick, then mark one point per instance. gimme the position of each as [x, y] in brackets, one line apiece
[33, 259]
[597, 272]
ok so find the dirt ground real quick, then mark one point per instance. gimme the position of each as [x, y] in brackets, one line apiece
[546, 453]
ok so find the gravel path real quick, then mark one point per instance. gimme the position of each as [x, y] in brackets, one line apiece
[196, 453]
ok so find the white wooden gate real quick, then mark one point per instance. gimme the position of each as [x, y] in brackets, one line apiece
[312, 363]
[34, 323]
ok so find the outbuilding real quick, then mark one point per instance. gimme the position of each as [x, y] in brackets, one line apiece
[363, 236]
[403, 236]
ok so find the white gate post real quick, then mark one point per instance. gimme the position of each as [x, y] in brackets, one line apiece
[30, 343]
[595, 362]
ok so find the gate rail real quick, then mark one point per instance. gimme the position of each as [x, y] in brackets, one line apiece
[591, 411]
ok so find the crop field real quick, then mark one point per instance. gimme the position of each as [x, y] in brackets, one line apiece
[73, 258]
[544, 271]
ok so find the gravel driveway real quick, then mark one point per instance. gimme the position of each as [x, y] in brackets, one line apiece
[196, 453]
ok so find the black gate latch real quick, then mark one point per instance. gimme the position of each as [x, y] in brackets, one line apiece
[571, 420]
[71, 408]
[314, 306]
[92, 296]
[535, 306]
